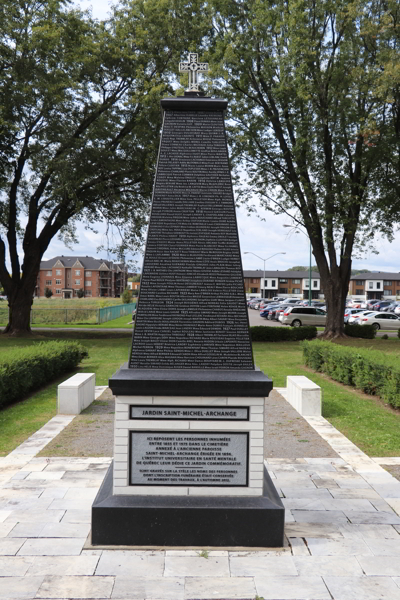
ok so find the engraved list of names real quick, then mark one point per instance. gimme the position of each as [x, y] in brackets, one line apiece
[188, 458]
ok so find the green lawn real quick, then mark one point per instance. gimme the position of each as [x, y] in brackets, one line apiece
[120, 323]
[364, 420]
[20, 420]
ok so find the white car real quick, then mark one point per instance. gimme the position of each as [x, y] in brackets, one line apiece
[297, 316]
[380, 320]
[354, 318]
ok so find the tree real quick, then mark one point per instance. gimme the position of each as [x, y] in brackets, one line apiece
[126, 296]
[80, 293]
[315, 106]
[47, 292]
[79, 123]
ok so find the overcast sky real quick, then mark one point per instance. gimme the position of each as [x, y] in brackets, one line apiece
[261, 237]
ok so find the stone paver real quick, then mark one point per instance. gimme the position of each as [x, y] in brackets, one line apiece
[342, 528]
[70, 587]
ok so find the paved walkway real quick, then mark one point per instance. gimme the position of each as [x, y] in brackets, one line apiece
[342, 528]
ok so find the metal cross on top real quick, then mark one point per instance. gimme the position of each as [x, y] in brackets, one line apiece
[193, 67]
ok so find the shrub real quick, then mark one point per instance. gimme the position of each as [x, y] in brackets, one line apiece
[385, 337]
[260, 333]
[398, 333]
[47, 292]
[126, 296]
[23, 370]
[367, 332]
[80, 293]
[371, 371]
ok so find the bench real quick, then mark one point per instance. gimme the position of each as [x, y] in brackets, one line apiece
[76, 393]
[304, 395]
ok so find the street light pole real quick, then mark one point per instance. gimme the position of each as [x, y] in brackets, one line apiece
[264, 259]
[309, 270]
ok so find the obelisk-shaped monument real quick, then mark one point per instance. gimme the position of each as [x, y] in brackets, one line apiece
[189, 429]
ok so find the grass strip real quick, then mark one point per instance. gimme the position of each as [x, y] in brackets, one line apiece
[365, 420]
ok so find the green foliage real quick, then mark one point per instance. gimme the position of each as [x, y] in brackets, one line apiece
[371, 371]
[47, 292]
[23, 370]
[80, 122]
[314, 90]
[261, 333]
[80, 293]
[126, 296]
[367, 332]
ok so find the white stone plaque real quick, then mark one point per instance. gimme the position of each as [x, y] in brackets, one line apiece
[200, 458]
[204, 413]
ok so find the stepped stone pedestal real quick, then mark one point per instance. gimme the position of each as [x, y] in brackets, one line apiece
[188, 464]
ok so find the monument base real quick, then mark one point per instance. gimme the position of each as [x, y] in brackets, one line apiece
[121, 520]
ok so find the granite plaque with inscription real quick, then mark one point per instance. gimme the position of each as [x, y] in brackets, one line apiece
[190, 458]
[194, 413]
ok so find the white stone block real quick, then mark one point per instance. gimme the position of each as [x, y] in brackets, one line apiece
[225, 491]
[148, 490]
[189, 401]
[304, 395]
[226, 425]
[76, 393]
[255, 417]
[246, 401]
[153, 424]
[257, 409]
[134, 400]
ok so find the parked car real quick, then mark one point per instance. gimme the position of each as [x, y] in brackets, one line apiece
[303, 315]
[254, 302]
[382, 304]
[272, 311]
[265, 311]
[391, 307]
[355, 317]
[350, 312]
[291, 301]
[371, 303]
[279, 311]
[381, 320]
[278, 299]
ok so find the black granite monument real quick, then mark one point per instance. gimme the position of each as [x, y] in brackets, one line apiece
[191, 355]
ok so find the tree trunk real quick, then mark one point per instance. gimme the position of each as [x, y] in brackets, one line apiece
[19, 303]
[335, 290]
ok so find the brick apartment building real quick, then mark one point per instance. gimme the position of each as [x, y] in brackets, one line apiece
[365, 286]
[65, 275]
[379, 285]
[292, 283]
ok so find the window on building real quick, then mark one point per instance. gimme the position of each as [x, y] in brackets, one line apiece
[273, 282]
[58, 271]
[306, 283]
[370, 285]
[77, 282]
[296, 281]
[58, 291]
[77, 272]
[88, 273]
[387, 292]
[283, 290]
[254, 290]
[359, 292]
[378, 285]
[283, 281]
[253, 280]
[88, 283]
[387, 283]
[398, 292]
[88, 292]
[48, 273]
[48, 281]
[296, 291]
[315, 283]
[58, 281]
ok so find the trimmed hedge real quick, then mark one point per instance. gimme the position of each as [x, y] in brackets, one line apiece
[367, 332]
[261, 333]
[23, 370]
[371, 371]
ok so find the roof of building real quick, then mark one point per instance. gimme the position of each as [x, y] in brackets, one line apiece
[380, 275]
[88, 262]
[282, 274]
